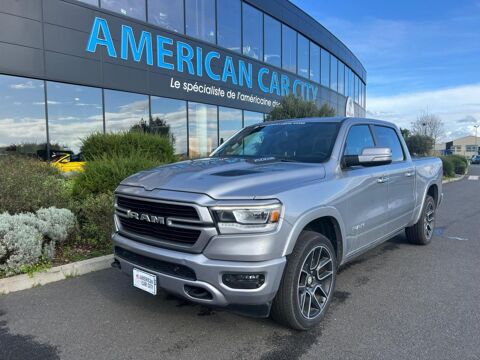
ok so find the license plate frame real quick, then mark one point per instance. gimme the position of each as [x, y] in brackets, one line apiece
[145, 281]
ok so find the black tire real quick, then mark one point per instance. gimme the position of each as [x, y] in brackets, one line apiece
[419, 233]
[286, 308]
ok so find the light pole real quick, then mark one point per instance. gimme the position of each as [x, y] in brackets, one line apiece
[476, 146]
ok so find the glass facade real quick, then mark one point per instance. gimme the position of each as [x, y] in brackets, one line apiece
[229, 17]
[202, 129]
[314, 62]
[167, 14]
[251, 118]
[124, 111]
[325, 68]
[303, 55]
[133, 8]
[74, 112]
[22, 116]
[171, 116]
[273, 41]
[240, 27]
[289, 49]
[200, 19]
[252, 32]
[229, 122]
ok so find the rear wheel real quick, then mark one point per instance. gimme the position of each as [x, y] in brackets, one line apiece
[308, 283]
[422, 232]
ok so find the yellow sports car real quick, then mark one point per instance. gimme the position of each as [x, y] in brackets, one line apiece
[68, 163]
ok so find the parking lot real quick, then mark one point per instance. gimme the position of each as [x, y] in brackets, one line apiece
[397, 301]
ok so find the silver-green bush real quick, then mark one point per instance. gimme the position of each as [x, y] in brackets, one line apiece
[27, 238]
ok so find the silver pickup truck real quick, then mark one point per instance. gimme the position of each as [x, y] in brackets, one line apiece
[262, 225]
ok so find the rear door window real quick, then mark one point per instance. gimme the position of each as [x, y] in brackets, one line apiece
[359, 137]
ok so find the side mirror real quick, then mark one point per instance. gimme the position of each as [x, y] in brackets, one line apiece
[369, 157]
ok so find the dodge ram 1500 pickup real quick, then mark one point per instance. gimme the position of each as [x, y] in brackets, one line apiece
[263, 223]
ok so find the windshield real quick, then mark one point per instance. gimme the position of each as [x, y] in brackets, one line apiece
[310, 142]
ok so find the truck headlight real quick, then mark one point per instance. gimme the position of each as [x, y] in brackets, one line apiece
[247, 219]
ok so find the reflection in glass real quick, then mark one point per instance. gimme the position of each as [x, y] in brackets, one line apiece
[172, 114]
[22, 116]
[132, 8]
[341, 77]
[273, 41]
[289, 49]
[74, 112]
[303, 56]
[202, 129]
[325, 67]
[200, 19]
[230, 121]
[252, 32]
[167, 14]
[333, 73]
[124, 110]
[229, 15]
[252, 118]
[314, 62]
[351, 91]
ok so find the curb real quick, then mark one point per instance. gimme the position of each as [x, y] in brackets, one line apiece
[453, 179]
[25, 281]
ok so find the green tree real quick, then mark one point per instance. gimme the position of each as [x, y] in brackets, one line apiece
[405, 133]
[419, 145]
[293, 107]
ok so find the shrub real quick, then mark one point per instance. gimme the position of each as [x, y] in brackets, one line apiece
[448, 167]
[95, 215]
[294, 107]
[28, 184]
[103, 175]
[419, 145]
[29, 238]
[118, 145]
[460, 164]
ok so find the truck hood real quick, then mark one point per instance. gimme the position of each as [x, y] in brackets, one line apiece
[228, 178]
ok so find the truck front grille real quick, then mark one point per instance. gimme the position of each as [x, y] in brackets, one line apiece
[158, 223]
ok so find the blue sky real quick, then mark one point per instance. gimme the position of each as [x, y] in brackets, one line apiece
[419, 55]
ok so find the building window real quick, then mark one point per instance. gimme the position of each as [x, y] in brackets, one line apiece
[133, 8]
[200, 19]
[472, 148]
[124, 111]
[230, 121]
[90, 2]
[325, 68]
[167, 14]
[351, 90]
[169, 117]
[333, 73]
[74, 112]
[289, 49]
[314, 62]
[357, 90]
[229, 17]
[22, 116]
[252, 32]
[252, 118]
[303, 56]
[202, 129]
[273, 41]
[341, 77]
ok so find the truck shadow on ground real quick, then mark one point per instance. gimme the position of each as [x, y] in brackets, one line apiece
[15, 346]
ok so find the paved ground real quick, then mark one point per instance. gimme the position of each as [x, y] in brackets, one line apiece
[398, 301]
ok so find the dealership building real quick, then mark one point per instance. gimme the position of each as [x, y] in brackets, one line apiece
[202, 68]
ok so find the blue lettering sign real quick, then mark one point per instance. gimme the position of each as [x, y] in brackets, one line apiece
[208, 65]
[162, 52]
[106, 40]
[261, 72]
[128, 42]
[184, 58]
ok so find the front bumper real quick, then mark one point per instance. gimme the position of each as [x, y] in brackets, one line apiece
[208, 274]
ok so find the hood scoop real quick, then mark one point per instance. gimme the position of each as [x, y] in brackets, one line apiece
[238, 172]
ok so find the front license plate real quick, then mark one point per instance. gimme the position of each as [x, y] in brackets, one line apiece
[145, 281]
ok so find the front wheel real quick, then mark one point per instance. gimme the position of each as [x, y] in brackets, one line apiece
[308, 283]
[422, 232]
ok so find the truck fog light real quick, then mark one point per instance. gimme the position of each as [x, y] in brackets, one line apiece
[243, 281]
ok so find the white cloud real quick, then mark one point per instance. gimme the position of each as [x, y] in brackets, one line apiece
[23, 86]
[458, 107]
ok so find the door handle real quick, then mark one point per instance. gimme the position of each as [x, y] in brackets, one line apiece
[383, 179]
[409, 174]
